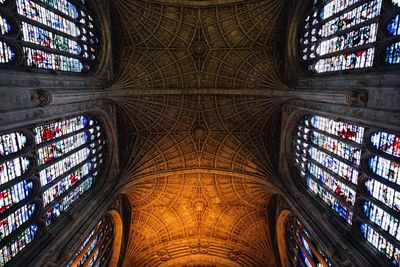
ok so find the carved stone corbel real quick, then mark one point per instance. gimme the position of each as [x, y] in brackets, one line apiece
[43, 98]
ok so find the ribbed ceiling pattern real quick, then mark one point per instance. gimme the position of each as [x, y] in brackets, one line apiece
[172, 46]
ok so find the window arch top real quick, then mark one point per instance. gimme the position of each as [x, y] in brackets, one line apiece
[55, 162]
[342, 35]
[54, 35]
[355, 172]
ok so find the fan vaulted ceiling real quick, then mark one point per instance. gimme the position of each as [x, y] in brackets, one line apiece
[197, 169]
[174, 46]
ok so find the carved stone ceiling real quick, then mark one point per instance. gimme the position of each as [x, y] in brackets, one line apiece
[197, 171]
[196, 44]
[199, 218]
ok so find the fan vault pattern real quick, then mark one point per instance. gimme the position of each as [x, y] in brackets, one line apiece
[193, 215]
[196, 169]
[177, 46]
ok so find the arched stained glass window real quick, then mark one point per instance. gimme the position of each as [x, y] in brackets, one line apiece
[355, 171]
[343, 35]
[97, 247]
[47, 34]
[301, 251]
[56, 162]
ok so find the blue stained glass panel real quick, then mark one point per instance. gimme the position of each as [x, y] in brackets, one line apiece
[61, 187]
[333, 164]
[5, 26]
[393, 53]
[394, 26]
[65, 7]
[339, 188]
[50, 173]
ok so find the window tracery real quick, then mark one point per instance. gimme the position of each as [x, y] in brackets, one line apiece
[97, 247]
[345, 35]
[65, 156]
[300, 248]
[355, 171]
[44, 34]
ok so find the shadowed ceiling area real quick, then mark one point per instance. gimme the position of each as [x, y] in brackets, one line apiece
[164, 45]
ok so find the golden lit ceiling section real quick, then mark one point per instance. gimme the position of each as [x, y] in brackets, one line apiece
[167, 45]
[199, 218]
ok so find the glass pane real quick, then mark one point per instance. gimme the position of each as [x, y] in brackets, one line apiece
[35, 35]
[381, 218]
[15, 220]
[12, 169]
[394, 26]
[353, 60]
[379, 242]
[61, 187]
[53, 151]
[6, 53]
[343, 170]
[11, 250]
[384, 194]
[339, 188]
[38, 13]
[11, 143]
[345, 151]
[11, 196]
[393, 54]
[50, 173]
[329, 199]
[341, 129]
[60, 128]
[385, 168]
[59, 208]
[44, 60]
[387, 143]
[65, 7]
[5, 26]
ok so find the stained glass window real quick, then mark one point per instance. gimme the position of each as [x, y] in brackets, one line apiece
[96, 248]
[329, 153]
[300, 248]
[68, 157]
[55, 35]
[342, 35]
